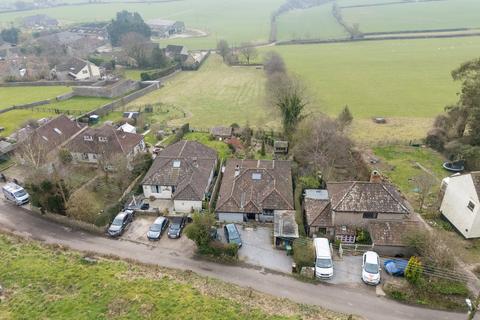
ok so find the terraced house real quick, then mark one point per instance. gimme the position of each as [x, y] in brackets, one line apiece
[255, 190]
[180, 177]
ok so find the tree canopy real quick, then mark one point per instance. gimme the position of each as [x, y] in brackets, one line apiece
[124, 23]
[10, 35]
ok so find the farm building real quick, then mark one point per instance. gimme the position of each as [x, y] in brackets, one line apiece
[254, 190]
[177, 53]
[461, 203]
[221, 132]
[165, 28]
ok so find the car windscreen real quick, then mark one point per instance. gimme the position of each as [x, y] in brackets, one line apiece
[155, 227]
[324, 263]
[19, 193]
[371, 268]
[117, 222]
[174, 226]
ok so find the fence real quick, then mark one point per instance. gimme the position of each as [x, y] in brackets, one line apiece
[216, 188]
[353, 249]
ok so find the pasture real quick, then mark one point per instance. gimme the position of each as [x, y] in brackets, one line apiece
[235, 21]
[13, 120]
[406, 79]
[10, 96]
[215, 95]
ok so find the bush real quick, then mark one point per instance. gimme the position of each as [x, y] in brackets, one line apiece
[83, 206]
[141, 163]
[303, 253]
[199, 230]
[220, 249]
[108, 214]
[436, 139]
[65, 156]
[414, 270]
[155, 74]
[363, 237]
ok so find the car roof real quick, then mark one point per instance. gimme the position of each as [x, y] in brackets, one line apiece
[231, 227]
[371, 257]
[159, 220]
[121, 215]
[177, 219]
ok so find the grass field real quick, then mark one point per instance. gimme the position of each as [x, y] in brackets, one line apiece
[12, 120]
[53, 283]
[415, 16]
[10, 96]
[314, 23]
[236, 21]
[216, 95]
[221, 147]
[404, 79]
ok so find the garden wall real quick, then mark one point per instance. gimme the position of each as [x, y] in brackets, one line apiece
[115, 90]
[47, 83]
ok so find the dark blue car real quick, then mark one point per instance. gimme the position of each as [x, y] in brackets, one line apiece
[395, 267]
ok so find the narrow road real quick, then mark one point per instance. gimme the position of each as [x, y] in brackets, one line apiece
[360, 301]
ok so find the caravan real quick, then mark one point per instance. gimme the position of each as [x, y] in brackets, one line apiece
[13, 192]
[323, 259]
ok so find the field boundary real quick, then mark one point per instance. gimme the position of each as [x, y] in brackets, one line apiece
[381, 4]
[47, 83]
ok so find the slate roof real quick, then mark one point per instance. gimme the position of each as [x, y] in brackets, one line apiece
[223, 132]
[74, 65]
[187, 165]
[57, 131]
[117, 142]
[391, 233]
[253, 185]
[361, 196]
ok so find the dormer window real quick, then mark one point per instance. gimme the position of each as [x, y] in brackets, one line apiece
[256, 176]
[57, 130]
[102, 139]
[88, 138]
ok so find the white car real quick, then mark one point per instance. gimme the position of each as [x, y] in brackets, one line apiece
[371, 268]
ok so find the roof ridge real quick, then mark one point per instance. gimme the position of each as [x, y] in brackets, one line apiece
[345, 195]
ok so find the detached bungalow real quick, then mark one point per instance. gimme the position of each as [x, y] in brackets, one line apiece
[254, 190]
[77, 69]
[461, 203]
[182, 173]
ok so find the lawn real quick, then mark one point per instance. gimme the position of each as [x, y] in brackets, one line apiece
[398, 79]
[221, 147]
[10, 96]
[314, 23]
[12, 120]
[415, 15]
[53, 283]
[216, 95]
[236, 21]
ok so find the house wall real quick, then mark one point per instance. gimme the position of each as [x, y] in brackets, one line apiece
[459, 191]
[230, 217]
[356, 219]
[186, 206]
[165, 192]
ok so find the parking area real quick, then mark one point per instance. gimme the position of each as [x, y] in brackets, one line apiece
[347, 270]
[257, 249]
[137, 232]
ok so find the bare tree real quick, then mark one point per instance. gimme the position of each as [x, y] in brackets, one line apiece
[319, 145]
[223, 49]
[32, 151]
[273, 63]
[248, 51]
[137, 47]
[424, 184]
[83, 206]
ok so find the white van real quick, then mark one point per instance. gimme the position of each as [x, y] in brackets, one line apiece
[323, 259]
[13, 192]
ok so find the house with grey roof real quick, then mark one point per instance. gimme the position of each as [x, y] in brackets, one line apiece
[317, 211]
[254, 190]
[77, 69]
[182, 175]
[461, 203]
[165, 28]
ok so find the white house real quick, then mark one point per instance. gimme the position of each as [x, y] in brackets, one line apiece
[77, 69]
[461, 203]
[183, 173]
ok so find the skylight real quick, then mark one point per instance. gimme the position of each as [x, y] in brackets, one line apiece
[57, 130]
[256, 176]
[176, 163]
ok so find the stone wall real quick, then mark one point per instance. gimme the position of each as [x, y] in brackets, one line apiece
[115, 90]
[47, 83]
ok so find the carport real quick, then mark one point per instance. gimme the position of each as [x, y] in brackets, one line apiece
[285, 229]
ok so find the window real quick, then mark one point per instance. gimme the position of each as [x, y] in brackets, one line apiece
[88, 138]
[256, 176]
[370, 215]
[176, 163]
[85, 156]
[102, 139]
[471, 206]
[268, 212]
[84, 71]
[155, 189]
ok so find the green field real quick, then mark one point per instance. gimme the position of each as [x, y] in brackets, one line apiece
[216, 95]
[12, 120]
[314, 23]
[236, 21]
[10, 96]
[415, 16]
[54, 283]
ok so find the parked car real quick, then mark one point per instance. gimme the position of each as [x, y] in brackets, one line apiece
[232, 235]
[323, 259]
[157, 228]
[120, 223]
[395, 267]
[176, 226]
[371, 268]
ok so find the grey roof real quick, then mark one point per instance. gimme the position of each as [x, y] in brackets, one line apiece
[161, 22]
[361, 196]
[5, 147]
[319, 194]
[221, 131]
[187, 165]
[391, 233]
[318, 212]
[73, 65]
[284, 224]
[253, 185]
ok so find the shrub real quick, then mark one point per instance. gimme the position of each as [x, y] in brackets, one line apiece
[65, 156]
[436, 139]
[303, 253]
[414, 270]
[199, 229]
[363, 237]
[83, 206]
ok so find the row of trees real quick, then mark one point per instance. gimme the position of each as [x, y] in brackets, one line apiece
[145, 53]
[457, 131]
[127, 22]
[230, 55]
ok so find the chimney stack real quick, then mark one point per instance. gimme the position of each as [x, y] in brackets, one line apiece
[237, 170]
[375, 177]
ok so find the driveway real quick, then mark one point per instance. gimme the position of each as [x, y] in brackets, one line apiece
[348, 271]
[257, 249]
[337, 298]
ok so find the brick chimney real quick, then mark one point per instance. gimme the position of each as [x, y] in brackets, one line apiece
[375, 177]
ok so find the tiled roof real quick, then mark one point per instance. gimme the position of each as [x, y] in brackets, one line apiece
[361, 196]
[73, 65]
[116, 141]
[221, 131]
[57, 131]
[187, 165]
[391, 233]
[318, 212]
[254, 185]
